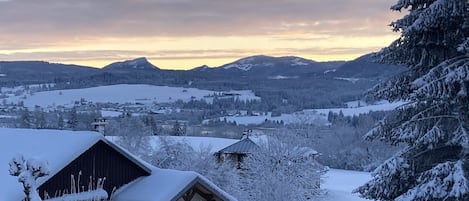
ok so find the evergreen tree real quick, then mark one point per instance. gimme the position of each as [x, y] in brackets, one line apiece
[39, 118]
[433, 126]
[73, 118]
[178, 129]
[60, 122]
[25, 119]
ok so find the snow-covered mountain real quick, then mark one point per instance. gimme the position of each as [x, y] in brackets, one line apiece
[252, 62]
[140, 64]
[201, 68]
[268, 67]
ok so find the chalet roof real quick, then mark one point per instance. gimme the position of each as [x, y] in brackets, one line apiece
[60, 148]
[166, 185]
[213, 144]
[243, 146]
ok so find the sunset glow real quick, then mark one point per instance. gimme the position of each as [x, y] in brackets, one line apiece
[191, 35]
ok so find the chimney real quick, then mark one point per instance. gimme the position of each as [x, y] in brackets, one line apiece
[99, 125]
[246, 133]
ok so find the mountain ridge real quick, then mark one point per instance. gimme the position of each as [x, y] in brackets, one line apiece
[259, 67]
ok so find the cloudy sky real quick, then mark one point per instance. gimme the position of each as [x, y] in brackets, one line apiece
[182, 34]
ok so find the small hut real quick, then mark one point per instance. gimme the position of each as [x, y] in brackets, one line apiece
[237, 151]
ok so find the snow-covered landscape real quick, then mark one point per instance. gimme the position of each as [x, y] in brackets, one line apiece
[311, 116]
[128, 105]
[121, 94]
[234, 101]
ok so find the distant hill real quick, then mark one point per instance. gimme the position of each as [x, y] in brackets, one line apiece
[138, 64]
[40, 71]
[261, 61]
[269, 67]
[258, 67]
[366, 67]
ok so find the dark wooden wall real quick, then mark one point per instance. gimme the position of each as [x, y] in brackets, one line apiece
[100, 161]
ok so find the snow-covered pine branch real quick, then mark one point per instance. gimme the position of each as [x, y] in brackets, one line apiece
[443, 181]
[446, 81]
[397, 171]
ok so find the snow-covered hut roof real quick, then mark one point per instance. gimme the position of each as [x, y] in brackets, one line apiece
[243, 146]
[58, 148]
[166, 185]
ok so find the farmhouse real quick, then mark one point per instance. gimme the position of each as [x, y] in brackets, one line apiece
[77, 159]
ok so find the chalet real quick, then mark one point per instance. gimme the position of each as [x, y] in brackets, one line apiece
[238, 150]
[71, 154]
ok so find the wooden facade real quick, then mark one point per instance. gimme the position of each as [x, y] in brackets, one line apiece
[102, 160]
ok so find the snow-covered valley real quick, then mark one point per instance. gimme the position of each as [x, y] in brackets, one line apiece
[120, 94]
[309, 116]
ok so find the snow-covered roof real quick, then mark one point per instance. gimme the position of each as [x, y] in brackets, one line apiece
[197, 143]
[58, 148]
[165, 185]
[243, 146]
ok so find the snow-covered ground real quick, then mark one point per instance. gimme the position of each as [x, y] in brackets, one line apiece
[312, 116]
[352, 80]
[308, 117]
[109, 113]
[339, 184]
[380, 106]
[123, 93]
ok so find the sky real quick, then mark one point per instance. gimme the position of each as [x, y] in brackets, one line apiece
[182, 34]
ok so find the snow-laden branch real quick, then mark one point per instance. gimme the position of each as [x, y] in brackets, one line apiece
[28, 171]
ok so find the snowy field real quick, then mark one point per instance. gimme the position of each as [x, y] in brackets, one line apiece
[380, 106]
[311, 116]
[308, 117]
[339, 184]
[123, 93]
